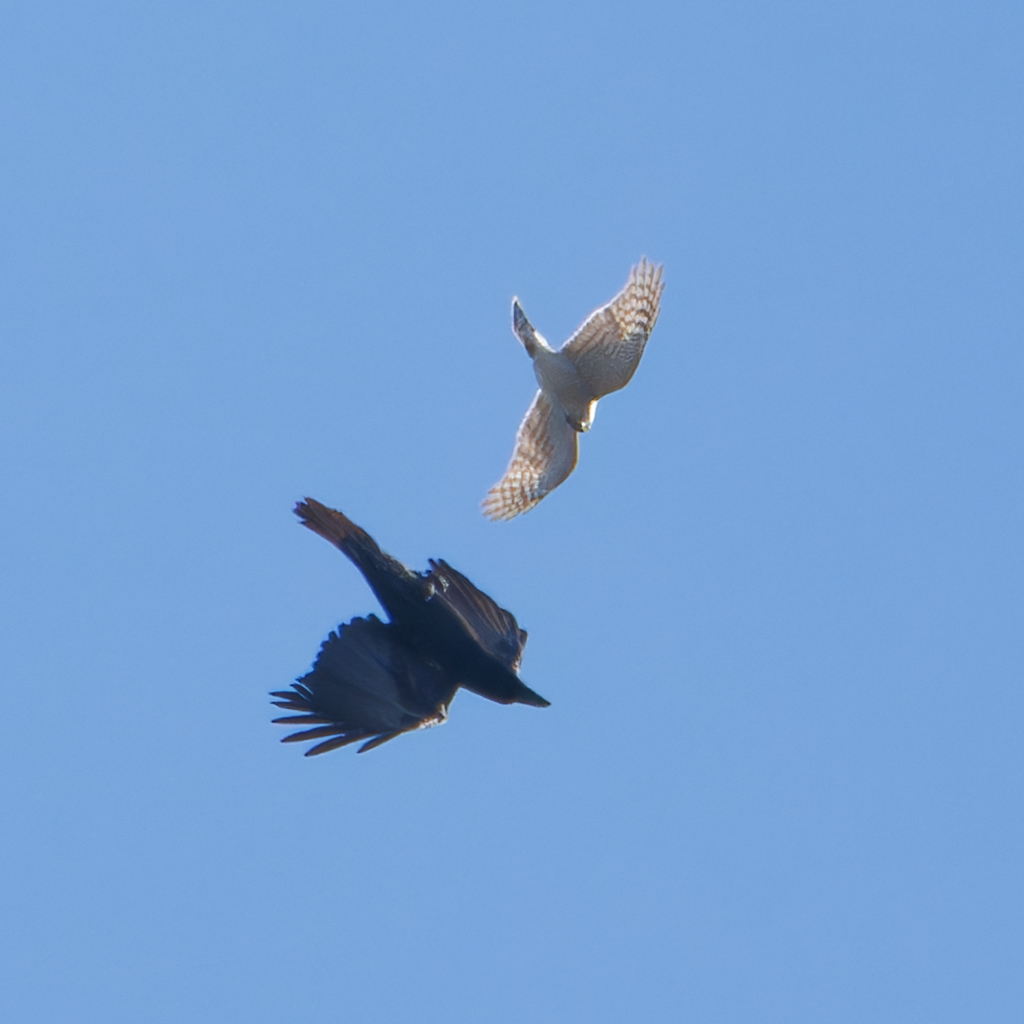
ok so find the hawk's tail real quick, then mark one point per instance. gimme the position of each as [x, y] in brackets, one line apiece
[523, 329]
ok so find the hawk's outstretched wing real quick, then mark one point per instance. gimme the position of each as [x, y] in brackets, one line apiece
[365, 685]
[544, 455]
[493, 628]
[607, 347]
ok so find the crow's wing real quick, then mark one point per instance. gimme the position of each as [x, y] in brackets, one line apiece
[493, 628]
[394, 584]
[365, 685]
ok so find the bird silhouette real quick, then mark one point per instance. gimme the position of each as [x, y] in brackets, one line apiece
[373, 680]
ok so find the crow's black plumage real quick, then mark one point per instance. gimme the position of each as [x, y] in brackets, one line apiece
[374, 680]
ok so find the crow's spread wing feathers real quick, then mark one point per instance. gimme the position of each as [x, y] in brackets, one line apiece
[365, 685]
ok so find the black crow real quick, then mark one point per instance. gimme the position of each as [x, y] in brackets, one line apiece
[374, 680]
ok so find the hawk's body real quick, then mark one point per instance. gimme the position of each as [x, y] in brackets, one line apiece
[599, 358]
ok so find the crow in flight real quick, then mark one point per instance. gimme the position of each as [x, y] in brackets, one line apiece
[373, 680]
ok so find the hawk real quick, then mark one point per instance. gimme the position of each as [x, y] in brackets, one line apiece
[373, 680]
[599, 358]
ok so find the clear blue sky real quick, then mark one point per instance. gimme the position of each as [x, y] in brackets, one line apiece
[254, 251]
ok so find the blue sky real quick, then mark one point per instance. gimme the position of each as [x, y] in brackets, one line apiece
[257, 251]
